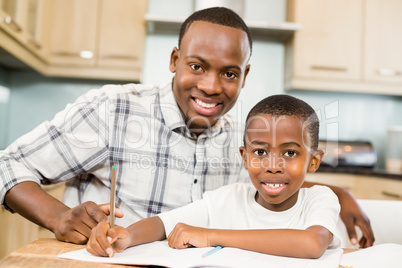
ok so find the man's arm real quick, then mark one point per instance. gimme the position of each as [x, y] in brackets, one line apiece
[352, 215]
[70, 225]
[309, 243]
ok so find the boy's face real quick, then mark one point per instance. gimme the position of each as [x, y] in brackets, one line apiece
[277, 156]
[210, 69]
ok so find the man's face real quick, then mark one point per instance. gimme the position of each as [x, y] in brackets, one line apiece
[277, 157]
[210, 69]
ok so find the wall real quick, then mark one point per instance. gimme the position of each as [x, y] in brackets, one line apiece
[35, 98]
[4, 100]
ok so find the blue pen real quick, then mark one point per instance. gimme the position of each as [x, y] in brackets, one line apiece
[206, 254]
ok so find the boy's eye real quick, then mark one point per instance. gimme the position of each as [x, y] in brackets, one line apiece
[290, 153]
[260, 152]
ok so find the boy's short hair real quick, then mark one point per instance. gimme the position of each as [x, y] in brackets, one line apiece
[217, 15]
[278, 105]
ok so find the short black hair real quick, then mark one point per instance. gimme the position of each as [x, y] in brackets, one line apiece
[283, 104]
[217, 15]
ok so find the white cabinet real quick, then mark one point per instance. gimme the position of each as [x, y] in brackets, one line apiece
[351, 46]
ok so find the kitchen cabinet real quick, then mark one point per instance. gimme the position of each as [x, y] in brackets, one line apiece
[383, 42]
[22, 30]
[97, 38]
[361, 186]
[17, 231]
[350, 46]
[73, 32]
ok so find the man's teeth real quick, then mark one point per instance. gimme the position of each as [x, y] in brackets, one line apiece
[274, 185]
[205, 105]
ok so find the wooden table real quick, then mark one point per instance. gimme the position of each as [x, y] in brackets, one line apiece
[43, 253]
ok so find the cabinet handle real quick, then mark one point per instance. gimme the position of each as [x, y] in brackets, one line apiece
[34, 43]
[388, 72]
[119, 57]
[82, 54]
[328, 68]
[391, 194]
[12, 24]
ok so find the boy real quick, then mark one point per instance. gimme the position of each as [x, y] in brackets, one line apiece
[276, 216]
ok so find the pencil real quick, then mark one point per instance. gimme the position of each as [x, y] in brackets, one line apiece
[112, 195]
[215, 249]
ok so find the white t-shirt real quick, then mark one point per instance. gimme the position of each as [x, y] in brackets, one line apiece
[234, 207]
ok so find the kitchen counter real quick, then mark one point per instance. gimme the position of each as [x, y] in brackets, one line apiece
[366, 171]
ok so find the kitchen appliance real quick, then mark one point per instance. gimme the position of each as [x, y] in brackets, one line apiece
[348, 154]
[393, 155]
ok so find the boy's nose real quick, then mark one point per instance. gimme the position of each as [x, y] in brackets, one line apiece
[210, 84]
[275, 165]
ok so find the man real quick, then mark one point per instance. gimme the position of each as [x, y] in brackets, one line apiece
[170, 144]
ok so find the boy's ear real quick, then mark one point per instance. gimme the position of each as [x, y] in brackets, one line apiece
[243, 154]
[315, 161]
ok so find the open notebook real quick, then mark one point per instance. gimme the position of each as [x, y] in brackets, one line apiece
[160, 254]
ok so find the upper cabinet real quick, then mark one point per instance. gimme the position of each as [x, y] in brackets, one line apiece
[98, 39]
[23, 30]
[383, 41]
[73, 32]
[343, 45]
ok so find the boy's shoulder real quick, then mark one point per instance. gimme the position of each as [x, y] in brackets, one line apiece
[317, 192]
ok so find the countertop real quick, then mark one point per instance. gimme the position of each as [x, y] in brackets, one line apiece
[365, 171]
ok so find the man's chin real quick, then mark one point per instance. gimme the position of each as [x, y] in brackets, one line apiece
[198, 128]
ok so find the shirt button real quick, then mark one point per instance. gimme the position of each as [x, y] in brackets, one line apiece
[195, 181]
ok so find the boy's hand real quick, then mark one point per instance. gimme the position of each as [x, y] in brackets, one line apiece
[184, 236]
[104, 241]
[75, 224]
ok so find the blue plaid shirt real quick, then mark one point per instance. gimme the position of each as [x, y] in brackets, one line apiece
[160, 164]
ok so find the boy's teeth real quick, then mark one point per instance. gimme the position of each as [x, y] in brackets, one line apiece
[274, 185]
[205, 105]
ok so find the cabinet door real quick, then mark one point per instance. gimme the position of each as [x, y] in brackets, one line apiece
[122, 33]
[328, 46]
[383, 41]
[73, 32]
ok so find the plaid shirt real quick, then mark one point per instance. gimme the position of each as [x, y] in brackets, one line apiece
[160, 164]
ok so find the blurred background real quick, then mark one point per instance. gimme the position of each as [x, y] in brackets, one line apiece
[342, 57]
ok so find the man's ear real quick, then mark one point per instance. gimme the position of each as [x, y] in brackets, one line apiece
[174, 56]
[243, 154]
[315, 161]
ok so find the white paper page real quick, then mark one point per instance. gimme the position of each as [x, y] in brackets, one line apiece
[387, 255]
[159, 253]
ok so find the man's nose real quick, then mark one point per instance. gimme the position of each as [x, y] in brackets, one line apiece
[210, 84]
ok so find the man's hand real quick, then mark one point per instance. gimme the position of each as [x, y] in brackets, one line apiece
[184, 236]
[75, 224]
[352, 215]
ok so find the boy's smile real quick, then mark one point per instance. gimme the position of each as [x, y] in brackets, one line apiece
[276, 155]
[210, 69]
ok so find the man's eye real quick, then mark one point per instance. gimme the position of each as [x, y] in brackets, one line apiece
[290, 153]
[260, 152]
[230, 75]
[195, 67]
